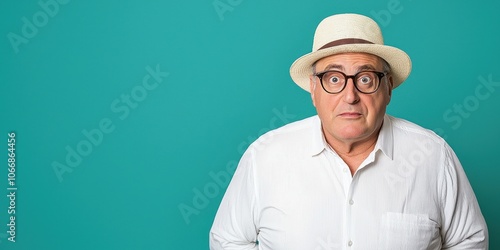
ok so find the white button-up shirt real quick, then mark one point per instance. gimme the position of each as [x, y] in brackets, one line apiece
[292, 191]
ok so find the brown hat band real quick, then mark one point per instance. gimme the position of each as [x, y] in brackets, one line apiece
[344, 41]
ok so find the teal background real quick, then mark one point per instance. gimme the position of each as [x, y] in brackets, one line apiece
[228, 79]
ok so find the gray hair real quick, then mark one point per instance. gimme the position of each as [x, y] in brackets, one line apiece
[386, 66]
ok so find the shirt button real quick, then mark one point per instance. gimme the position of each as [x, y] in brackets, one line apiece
[345, 170]
[349, 243]
[351, 202]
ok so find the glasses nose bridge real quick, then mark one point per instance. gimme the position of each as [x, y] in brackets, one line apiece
[353, 78]
[350, 77]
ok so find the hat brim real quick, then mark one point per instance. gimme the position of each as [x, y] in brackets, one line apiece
[397, 59]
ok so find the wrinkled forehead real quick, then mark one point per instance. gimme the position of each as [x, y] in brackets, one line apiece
[360, 61]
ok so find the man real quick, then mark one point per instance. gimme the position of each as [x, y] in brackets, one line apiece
[351, 177]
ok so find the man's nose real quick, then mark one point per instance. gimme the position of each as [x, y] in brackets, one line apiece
[351, 94]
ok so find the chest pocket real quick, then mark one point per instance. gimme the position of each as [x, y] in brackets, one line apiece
[408, 232]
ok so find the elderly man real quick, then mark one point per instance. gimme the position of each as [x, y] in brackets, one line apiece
[351, 177]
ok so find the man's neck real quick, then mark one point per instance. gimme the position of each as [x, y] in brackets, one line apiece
[354, 152]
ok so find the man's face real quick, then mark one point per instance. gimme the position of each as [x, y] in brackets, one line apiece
[350, 116]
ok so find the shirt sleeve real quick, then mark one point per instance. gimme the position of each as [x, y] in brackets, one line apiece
[463, 225]
[234, 226]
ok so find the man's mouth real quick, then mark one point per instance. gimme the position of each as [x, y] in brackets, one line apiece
[350, 115]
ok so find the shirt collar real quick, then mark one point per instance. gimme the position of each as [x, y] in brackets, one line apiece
[318, 143]
[385, 141]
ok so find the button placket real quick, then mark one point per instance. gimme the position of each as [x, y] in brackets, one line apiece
[350, 210]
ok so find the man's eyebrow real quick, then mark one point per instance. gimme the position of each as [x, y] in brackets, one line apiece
[341, 68]
[366, 67]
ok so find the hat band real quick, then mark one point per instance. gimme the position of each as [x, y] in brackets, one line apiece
[344, 41]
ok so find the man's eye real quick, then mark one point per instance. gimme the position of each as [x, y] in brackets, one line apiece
[365, 79]
[334, 79]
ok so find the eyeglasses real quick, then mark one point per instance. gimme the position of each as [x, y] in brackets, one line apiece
[366, 82]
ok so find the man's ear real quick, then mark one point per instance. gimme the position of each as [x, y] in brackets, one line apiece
[312, 88]
[390, 83]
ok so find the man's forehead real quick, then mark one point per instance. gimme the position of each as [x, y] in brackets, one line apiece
[339, 61]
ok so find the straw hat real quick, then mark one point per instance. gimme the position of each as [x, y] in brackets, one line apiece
[344, 33]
